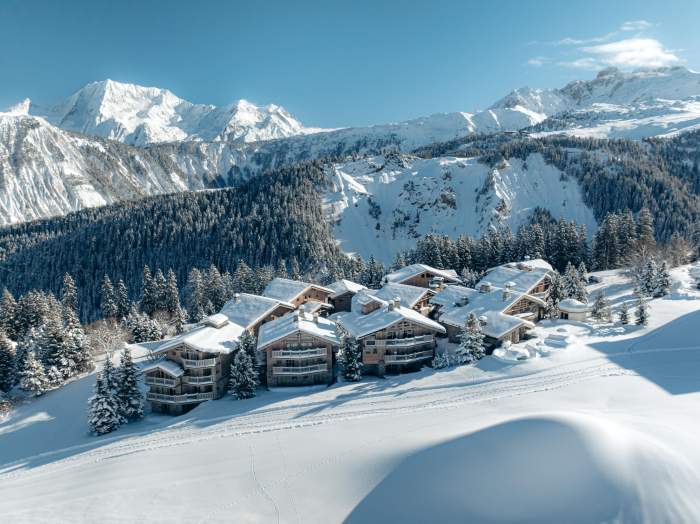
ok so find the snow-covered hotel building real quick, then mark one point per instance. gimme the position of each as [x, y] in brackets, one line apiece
[299, 349]
[508, 300]
[422, 275]
[295, 292]
[394, 337]
[194, 366]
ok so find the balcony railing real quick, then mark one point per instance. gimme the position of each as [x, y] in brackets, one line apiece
[299, 353]
[198, 380]
[204, 363]
[408, 357]
[299, 370]
[179, 399]
[159, 381]
[400, 342]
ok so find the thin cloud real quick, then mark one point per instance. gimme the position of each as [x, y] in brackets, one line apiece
[537, 61]
[632, 53]
[635, 25]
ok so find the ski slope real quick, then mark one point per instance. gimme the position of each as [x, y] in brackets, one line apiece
[602, 430]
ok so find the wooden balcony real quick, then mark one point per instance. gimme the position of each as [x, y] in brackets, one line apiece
[179, 399]
[407, 358]
[160, 381]
[198, 380]
[203, 363]
[400, 342]
[299, 370]
[299, 353]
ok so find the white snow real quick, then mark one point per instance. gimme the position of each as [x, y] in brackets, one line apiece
[412, 270]
[359, 325]
[286, 290]
[602, 431]
[298, 322]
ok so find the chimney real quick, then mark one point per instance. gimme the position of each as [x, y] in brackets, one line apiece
[315, 317]
[485, 287]
[397, 302]
[483, 320]
[390, 306]
[236, 298]
[302, 314]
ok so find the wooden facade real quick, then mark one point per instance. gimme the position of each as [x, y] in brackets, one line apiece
[312, 293]
[403, 346]
[299, 359]
[205, 377]
[343, 302]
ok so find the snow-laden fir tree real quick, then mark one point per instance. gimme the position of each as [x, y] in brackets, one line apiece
[244, 378]
[159, 289]
[75, 343]
[624, 314]
[352, 359]
[248, 343]
[55, 352]
[103, 407]
[662, 284]
[555, 294]
[8, 314]
[32, 377]
[127, 388]
[108, 302]
[373, 274]
[469, 277]
[121, 296]
[8, 364]
[646, 278]
[601, 307]
[442, 360]
[194, 295]
[471, 341]
[641, 314]
[574, 285]
[172, 294]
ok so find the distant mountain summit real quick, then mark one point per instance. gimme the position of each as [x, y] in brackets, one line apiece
[140, 115]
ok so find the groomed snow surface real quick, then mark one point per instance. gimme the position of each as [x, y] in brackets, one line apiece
[603, 429]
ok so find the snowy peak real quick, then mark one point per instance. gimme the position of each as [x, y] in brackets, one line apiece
[140, 115]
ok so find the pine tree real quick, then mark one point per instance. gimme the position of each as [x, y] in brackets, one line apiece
[8, 314]
[8, 364]
[159, 291]
[624, 314]
[471, 341]
[194, 295]
[172, 294]
[373, 275]
[646, 279]
[641, 314]
[108, 302]
[103, 408]
[248, 343]
[122, 300]
[32, 376]
[244, 378]
[555, 294]
[75, 343]
[662, 282]
[243, 278]
[442, 360]
[127, 388]
[352, 359]
[601, 307]
[150, 297]
[55, 353]
[645, 229]
[69, 293]
[215, 291]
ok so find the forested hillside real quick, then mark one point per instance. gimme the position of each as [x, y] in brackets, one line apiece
[614, 175]
[272, 219]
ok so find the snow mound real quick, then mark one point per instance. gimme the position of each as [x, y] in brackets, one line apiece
[555, 468]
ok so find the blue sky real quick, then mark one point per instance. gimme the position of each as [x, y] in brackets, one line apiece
[335, 63]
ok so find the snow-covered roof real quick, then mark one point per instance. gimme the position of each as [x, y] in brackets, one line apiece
[535, 263]
[315, 326]
[342, 286]
[408, 295]
[491, 305]
[287, 290]
[217, 320]
[403, 274]
[571, 305]
[452, 296]
[519, 279]
[168, 366]
[312, 306]
[359, 325]
[246, 309]
[208, 339]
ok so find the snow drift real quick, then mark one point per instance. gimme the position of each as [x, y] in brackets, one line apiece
[558, 468]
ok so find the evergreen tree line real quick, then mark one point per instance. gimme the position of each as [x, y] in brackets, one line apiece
[42, 343]
[272, 217]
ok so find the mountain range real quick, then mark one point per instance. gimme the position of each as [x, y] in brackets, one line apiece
[112, 141]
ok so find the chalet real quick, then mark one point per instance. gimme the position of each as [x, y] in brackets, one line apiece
[414, 297]
[299, 349]
[507, 302]
[343, 291]
[423, 276]
[393, 338]
[194, 366]
[296, 292]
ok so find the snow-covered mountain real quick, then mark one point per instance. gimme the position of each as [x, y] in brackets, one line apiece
[47, 168]
[144, 115]
[380, 205]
